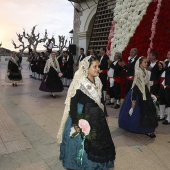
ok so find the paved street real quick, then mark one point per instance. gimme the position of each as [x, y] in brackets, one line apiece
[29, 121]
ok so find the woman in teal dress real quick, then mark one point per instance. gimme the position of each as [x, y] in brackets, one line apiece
[85, 96]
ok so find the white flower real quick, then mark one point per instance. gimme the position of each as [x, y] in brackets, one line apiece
[72, 130]
[128, 14]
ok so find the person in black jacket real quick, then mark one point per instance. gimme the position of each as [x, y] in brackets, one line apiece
[130, 71]
[115, 81]
[154, 72]
[103, 59]
[81, 56]
[165, 91]
[68, 65]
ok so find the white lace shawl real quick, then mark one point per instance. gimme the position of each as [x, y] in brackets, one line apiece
[50, 63]
[141, 79]
[77, 83]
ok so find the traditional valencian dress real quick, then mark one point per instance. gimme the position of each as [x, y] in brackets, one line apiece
[13, 71]
[99, 153]
[51, 81]
[144, 116]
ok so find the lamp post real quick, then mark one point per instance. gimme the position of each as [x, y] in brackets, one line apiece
[71, 37]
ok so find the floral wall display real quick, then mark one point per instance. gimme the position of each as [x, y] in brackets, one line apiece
[127, 14]
[142, 24]
[111, 35]
[153, 28]
[161, 39]
[141, 37]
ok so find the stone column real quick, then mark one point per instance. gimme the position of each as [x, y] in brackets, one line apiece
[84, 38]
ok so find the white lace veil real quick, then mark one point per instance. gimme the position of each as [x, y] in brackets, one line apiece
[79, 77]
[50, 63]
[141, 79]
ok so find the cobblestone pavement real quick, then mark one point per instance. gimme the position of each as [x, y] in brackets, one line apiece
[29, 121]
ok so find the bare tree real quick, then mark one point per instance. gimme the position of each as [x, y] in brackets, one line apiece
[32, 38]
[62, 43]
[22, 46]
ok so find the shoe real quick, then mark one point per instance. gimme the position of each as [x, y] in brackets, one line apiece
[159, 119]
[165, 122]
[110, 103]
[151, 135]
[117, 106]
[13, 84]
[16, 84]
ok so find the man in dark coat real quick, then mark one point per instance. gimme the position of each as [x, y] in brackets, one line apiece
[68, 66]
[164, 92]
[103, 59]
[154, 72]
[130, 68]
[81, 56]
[115, 77]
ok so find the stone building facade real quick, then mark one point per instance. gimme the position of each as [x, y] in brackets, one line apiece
[83, 23]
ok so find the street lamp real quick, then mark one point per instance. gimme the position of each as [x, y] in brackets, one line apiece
[71, 36]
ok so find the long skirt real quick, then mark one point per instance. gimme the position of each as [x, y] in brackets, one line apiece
[99, 154]
[51, 82]
[14, 77]
[138, 123]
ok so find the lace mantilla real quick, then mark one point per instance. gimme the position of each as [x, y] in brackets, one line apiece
[141, 79]
[79, 78]
[50, 63]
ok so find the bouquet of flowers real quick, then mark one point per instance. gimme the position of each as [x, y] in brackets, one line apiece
[85, 129]
[86, 133]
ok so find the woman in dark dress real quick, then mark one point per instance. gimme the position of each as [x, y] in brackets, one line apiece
[42, 62]
[51, 81]
[33, 65]
[138, 112]
[14, 70]
[85, 96]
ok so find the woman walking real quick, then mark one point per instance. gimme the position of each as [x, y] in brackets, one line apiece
[84, 97]
[51, 82]
[138, 112]
[14, 70]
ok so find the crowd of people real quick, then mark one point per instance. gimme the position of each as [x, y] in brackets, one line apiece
[147, 86]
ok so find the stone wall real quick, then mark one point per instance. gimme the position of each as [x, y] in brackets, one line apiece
[83, 24]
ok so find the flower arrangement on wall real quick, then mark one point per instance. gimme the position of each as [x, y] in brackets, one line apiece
[140, 39]
[111, 35]
[142, 24]
[153, 28]
[128, 15]
[161, 40]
